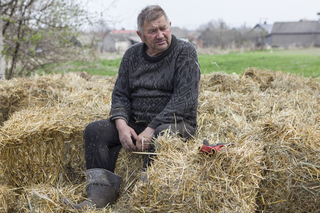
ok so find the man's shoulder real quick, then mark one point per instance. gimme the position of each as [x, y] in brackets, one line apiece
[134, 49]
[185, 49]
[184, 43]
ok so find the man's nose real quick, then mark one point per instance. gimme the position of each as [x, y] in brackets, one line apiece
[159, 34]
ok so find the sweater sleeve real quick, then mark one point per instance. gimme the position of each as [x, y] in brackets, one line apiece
[184, 100]
[121, 96]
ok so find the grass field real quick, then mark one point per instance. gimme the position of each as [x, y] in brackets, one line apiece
[104, 67]
[305, 62]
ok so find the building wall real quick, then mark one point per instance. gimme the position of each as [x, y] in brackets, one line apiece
[108, 44]
[122, 46]
[317, 42]
[298, 40]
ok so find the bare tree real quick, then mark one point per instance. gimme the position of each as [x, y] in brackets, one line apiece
[2, 62]
[219, 34]
[39, 32]
[96, 32]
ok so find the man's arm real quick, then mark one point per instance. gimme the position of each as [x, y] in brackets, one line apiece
[121, 95]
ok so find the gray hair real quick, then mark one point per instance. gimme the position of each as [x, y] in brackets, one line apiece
[150, 13]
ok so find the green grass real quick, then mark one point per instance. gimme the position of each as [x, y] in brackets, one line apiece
[305, 62]
[102, 67]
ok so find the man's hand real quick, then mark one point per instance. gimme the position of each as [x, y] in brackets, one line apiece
[125, 134]
[144, 139]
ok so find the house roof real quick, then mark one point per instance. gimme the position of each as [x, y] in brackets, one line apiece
[296, 27]
[265, 27]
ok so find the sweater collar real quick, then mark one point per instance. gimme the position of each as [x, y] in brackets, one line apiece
[163, 55]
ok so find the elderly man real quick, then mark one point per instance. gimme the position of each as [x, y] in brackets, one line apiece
[156, 90]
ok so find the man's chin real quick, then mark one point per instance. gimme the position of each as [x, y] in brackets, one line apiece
[162, 47]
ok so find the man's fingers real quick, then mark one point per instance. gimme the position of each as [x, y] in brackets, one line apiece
[143, 145]
[134, 135]
[147, 146]
[125, 146]
[128, 144]
[132, 147]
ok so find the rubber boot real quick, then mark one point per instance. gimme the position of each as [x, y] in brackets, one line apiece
[102, 189]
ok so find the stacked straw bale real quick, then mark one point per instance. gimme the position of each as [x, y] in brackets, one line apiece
[3, 198]
[43, 141]
[182, 180]
[270, 118]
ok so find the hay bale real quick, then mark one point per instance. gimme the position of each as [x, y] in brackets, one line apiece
[272, 118]
[4, 207]
[50, 90]
[44, 141]
[181, 179]
[264, 78]
[41, 198]
[291, 167]
[48, 147]
[46, 197]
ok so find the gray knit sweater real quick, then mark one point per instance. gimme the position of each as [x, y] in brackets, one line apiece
[158, 90]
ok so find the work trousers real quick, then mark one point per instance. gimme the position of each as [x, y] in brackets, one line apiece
[102, 144]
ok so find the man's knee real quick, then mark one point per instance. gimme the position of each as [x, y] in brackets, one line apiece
[182, 129]
[99, 128]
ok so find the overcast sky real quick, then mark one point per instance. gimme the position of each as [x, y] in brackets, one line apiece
[191, 14]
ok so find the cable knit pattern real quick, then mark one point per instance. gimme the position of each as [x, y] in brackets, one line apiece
[158, 90]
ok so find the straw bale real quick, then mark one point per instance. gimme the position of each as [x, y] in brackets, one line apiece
[50, 90]
[271, 118]
[264, 78]
[46, 197]
[4, 198]
[48, 147]
[183, 180]
[220, 82]
[44, 141]
[128, 166]
[42, 198]
[292, 166]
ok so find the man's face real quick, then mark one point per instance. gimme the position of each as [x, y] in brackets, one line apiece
[157, 36]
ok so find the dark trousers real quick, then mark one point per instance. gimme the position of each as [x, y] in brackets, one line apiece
[102, 143]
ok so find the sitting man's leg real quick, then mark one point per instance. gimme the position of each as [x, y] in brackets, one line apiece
[102, 147]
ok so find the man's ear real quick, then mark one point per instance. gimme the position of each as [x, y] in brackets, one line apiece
[140, 35]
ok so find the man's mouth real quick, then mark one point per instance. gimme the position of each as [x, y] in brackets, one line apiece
[161, 42]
